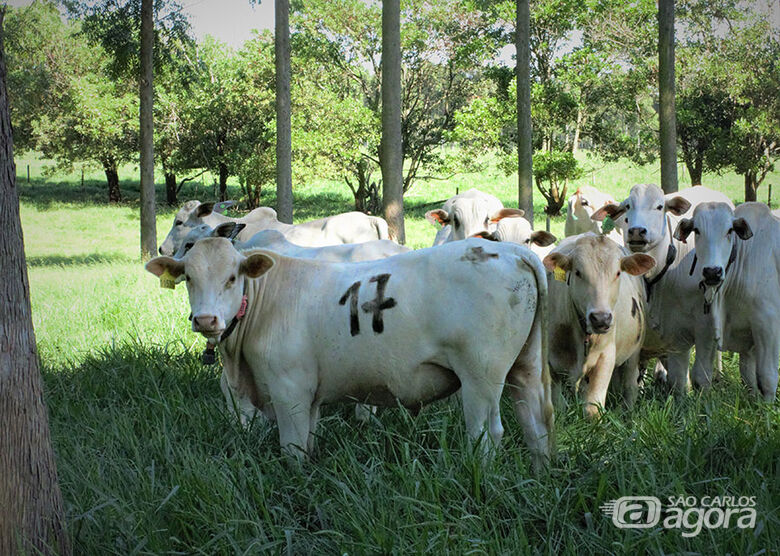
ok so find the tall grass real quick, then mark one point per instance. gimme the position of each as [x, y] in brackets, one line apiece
[151, 463]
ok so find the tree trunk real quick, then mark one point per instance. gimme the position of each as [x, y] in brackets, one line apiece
[667, 119]
[146, 92]
[525, 182]
[223, 177]
[575, 145]
[751, 186]
[391, 154]
[112, 177]
[284, 198]
[695, 170]
[31, 509]
[171, 195]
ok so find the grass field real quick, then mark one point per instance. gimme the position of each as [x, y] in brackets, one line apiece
[150, 462]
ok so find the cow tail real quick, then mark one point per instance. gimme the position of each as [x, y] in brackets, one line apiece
[542, 320]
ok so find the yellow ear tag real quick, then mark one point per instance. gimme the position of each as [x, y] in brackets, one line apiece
[559, 274]
[167, 280]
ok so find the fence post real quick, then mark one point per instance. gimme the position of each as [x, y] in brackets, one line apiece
[769, 196]
[28, 174]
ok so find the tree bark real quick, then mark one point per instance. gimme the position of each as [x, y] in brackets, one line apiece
[525, 182]
[284, 199]
[695, 170]
[223, 177]
[171, 195]
[391, 154]
[751, 186]
[667, 119]
[146, 92]
[112, 177]
[31, 509]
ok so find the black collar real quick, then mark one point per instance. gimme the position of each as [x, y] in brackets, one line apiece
[208, 357]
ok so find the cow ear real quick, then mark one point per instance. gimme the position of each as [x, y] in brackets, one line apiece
[543, 238]
[256, 264]
[228, 230]
[637, 264]
[684, 229]
[222, 206]
[204, 209]
[506, 213]
[158, 265]
[490, 236]
[610, 209]
[557, 260]
[742, 228]
[677, 205]
[438, 216]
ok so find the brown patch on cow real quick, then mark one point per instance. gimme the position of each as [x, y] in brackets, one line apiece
[478, 255]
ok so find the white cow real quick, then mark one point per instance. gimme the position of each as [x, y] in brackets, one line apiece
[582, 204]
[648, 219]
[465, 215]
[348, 227]
[275, 241]
[410, 329]
[511, 226]
[597, 316]
[740, 278]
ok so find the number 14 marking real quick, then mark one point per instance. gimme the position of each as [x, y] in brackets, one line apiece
[376, 306]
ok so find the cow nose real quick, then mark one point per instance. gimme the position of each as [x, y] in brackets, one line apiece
[712, 274]
[204, 322]
[600, 321]
[637, 233]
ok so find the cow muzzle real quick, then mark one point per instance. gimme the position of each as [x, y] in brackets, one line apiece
[600, 321]
[208, 325]
[712, 275]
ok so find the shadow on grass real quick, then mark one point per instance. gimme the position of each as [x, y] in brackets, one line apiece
[75, 260]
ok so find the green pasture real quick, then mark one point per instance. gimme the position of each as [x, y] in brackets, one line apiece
[150, 462]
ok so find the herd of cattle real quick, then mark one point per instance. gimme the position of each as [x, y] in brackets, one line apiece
[333, 310]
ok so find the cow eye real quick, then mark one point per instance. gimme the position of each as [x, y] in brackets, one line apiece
[729, 232]
[584, 202]
[577, 274]
[178, 223]
[628, 207]
[456, 222]
[696, 231]
[231, 280]
[618, 274]
[527, 240]
[187, 277]
[659, 207]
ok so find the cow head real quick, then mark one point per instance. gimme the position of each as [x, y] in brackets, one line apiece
[228, 230]
[593, 268]
[642, 216]
[191, 215]
[466, 214]
[716, 229]
[511, 226]
[215, 273]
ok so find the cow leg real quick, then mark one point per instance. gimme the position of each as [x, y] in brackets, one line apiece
[294, 415]
[628, 375]
[677, 371]
[481, 410]
[314, 417]
[767, 353]
[238, 403]
[747, 369]
[532, 400]
[596, 382]
[364, 412]
[706, 348]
